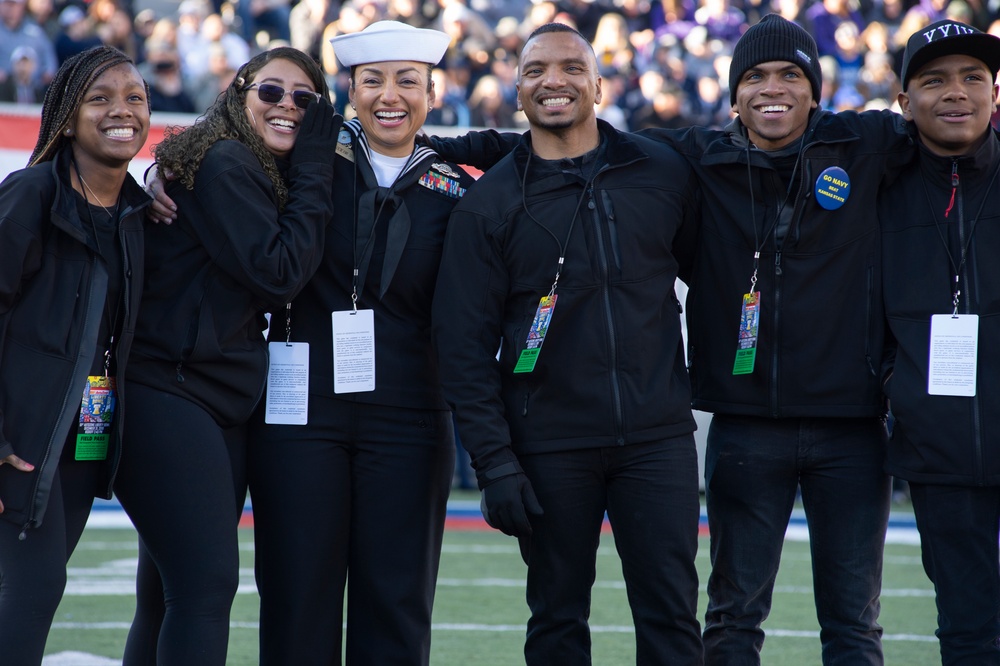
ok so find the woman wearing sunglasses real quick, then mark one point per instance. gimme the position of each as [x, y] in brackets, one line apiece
[252, 186]
[355, 494]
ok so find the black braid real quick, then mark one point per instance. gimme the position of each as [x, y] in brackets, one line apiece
[65, 94]
[183, 148]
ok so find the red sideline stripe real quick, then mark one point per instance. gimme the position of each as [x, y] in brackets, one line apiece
[466, 524]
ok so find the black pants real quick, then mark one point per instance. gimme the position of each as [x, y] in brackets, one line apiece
[650, 494]
[959, 529]
[33, 571]
[358, 498]
[182, 482]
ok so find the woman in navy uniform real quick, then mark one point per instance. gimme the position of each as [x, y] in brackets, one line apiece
[357, 495]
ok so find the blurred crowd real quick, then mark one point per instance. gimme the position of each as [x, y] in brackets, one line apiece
[664, 63]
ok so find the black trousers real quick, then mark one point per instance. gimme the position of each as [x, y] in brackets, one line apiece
[959, 530]
[357, 498]
[650, 494]
[33, 571]
[182, 483]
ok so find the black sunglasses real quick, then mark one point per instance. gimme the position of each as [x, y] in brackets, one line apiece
[272, 94]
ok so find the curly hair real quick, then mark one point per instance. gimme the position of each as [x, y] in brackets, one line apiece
[65, 94]
[183, 148]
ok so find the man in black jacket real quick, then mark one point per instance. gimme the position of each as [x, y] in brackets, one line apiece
[574, 240]
[785, 336]
[941, 234]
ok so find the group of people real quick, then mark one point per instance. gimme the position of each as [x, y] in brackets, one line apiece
[815, 307]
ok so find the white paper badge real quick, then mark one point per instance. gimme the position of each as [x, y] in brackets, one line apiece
[287, 400]
[353, 351]
[953, 354]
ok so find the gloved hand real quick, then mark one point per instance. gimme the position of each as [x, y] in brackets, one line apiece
[507, 501]
[318, 131]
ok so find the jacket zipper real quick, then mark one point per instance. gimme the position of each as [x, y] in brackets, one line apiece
[869, 317]
[126, 290]
[775, 406]
[62, 410]
[609, 316]
[957, 198]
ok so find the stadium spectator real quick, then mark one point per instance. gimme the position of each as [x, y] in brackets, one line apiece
[307, 21]
[487, 106]
[16, 29]
[264, 16]
[191, 43]
[119, 32]
[721, 20]
[215, 80]
[71, 275]
[823, 19]
[162, 70]
[76, 34]
[45, 14]
[22, 86]
[450, 108]
[215, 33]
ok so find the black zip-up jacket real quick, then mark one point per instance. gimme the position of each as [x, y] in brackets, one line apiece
[611, 369]
[406, 373]
[210, 276]
[53, 286]
[946, 440]
[821, 329]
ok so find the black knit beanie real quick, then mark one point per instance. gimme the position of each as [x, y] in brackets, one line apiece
[775, 38]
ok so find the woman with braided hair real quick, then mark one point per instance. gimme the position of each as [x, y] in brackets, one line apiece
[71, 267]
[252, 181]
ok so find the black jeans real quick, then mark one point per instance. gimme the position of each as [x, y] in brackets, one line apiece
[753, 467]
[959, 531]
[650, 494]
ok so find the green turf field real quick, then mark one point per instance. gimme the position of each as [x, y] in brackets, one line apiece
[480, 611]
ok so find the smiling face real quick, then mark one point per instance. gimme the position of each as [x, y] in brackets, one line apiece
[392, 100]
[112, 121]
[774, 100]
[951, 100]
[558, 84]
[277, 125]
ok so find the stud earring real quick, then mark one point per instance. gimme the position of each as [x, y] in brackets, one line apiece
[68, 132]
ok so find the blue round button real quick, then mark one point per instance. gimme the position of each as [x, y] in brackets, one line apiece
[832, 188]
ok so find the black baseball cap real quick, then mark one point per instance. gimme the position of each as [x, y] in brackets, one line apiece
[948, 38]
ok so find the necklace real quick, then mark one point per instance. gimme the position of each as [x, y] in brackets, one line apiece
[96, 198]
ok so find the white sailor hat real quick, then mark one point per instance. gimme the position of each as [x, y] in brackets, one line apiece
[390, 40]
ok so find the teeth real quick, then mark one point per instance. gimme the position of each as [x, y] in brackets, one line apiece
[389, 115]
[120, 132]
[281, 122]
[555, 101]
[773, 108]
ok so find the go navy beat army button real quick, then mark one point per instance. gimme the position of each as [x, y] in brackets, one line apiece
[832, 188]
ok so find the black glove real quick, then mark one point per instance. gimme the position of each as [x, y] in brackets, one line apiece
[508, 499]
[318, 132]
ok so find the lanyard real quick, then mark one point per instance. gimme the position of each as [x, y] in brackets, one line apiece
[112, 317]
[957, 268]
[757, 240]
[564, 245]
